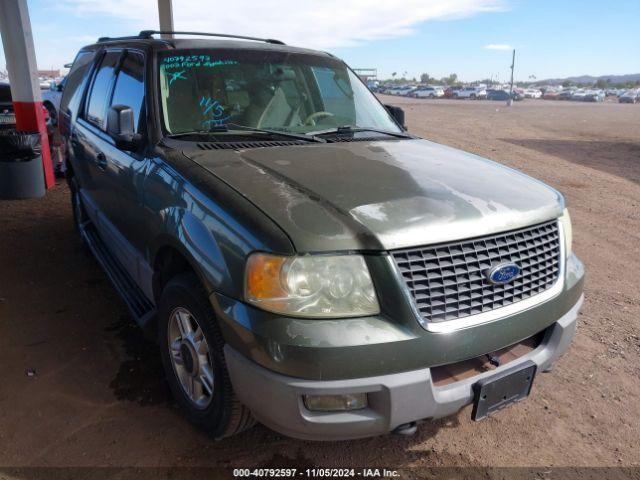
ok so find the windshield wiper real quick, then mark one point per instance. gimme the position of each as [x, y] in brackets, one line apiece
[244, 128]
[299, 136]
[350, 129]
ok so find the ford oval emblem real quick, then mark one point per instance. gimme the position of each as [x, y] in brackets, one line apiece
[503, 273]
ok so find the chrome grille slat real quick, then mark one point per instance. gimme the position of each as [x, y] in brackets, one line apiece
[448, 282]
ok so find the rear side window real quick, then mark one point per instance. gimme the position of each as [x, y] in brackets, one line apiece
[101, 90]
[129, 88]
[73, 80]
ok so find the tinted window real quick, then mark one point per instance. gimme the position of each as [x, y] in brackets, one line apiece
[101, 89]
[129, 89]
[72, 81]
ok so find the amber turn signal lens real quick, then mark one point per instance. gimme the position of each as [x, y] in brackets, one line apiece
[263, 276]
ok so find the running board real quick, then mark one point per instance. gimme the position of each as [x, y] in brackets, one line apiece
[138, 304]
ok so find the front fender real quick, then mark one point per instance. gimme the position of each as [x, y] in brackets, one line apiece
[195, 241]
[211, 225]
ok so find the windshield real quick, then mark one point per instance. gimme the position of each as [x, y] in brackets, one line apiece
[289, 92]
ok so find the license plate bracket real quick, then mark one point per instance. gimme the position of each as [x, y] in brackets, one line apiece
[503, 389]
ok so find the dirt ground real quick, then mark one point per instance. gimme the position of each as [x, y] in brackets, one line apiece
[81, 387]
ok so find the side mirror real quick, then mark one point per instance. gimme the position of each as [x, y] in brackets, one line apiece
[120, 127]
[397, 113]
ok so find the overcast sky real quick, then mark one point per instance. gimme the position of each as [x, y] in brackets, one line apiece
[472, 38]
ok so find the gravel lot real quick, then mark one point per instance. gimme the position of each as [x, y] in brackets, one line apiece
[81, 387]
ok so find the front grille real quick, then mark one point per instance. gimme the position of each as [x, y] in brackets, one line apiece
[448, 281]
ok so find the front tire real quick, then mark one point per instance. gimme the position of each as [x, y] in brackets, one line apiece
[191, 347]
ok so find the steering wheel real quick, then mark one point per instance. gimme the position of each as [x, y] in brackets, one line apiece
[311, 119]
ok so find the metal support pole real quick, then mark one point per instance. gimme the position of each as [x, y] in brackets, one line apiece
[17, 39]
[165, 13]
[513, 63]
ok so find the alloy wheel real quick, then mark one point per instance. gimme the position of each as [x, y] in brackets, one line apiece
[190, 357]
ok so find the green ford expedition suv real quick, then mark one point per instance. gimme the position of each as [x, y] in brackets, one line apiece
[302, 259]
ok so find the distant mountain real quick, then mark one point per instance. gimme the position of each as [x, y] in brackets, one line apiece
[631, 77]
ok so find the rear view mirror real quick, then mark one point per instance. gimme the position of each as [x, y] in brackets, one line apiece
[397, 113]
[120, 127]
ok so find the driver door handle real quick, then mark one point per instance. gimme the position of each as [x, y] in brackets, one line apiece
[101, 160]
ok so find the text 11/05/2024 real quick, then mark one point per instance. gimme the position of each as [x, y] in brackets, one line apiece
[316, 472]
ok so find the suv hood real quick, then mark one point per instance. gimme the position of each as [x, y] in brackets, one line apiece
[381, 195]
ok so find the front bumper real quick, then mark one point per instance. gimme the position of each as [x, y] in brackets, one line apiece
[395, 399]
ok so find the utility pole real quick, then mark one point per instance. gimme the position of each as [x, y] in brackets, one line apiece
[513, 63]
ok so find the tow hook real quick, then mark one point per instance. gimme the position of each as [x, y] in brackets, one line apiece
[494, 359]
[406, 429]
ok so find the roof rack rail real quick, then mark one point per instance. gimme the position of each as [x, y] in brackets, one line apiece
[111, 39]
[150, 33]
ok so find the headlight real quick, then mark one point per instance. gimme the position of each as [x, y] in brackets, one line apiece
[565, 220]
[311, 285]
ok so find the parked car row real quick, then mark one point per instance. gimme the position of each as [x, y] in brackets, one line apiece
[584, 95]
[431, 91]
[502, 94]
[592, 95]
[401, 90]
[476, 92]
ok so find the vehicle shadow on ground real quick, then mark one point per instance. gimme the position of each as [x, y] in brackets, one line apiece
[140, 379]
[420, 449]
[617, 158]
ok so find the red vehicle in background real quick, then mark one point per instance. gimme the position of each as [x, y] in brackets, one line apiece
[448, 92]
